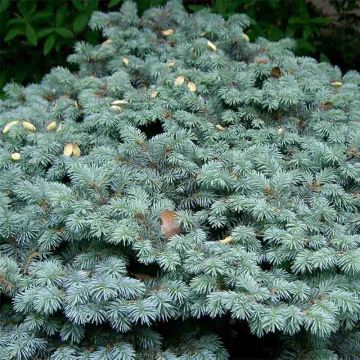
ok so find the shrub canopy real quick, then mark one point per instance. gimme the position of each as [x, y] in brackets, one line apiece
[182, 174]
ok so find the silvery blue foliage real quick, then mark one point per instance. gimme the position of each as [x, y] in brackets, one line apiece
[254, 149]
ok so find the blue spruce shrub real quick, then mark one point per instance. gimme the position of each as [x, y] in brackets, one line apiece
[184, 181]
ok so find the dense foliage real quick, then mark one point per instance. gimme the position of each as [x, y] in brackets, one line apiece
[184, 180]
[31, 29]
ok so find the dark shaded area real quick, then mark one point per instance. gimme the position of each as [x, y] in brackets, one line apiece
[152, 129]
[236, 336]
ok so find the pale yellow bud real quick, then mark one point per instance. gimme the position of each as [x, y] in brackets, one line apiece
[167, 32]
[8, 126]
[52, 126]
[245, 37]
[336, 84]
[219, 127]
[28, 126]
[192, 86]
[125, 60]
[179, 80]
[106, 42]
[15, 156]
[227, 240]
[76, 150]
[68, 149]
[119, 102]
[170, 64]
[211, 45]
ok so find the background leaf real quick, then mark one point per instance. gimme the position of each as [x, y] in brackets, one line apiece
[49, 43]
[30, 34]
[27, 7]
[64, 32]
[44, 32]
[4, 4]
[113, 3]
[43, 15]
[79, 5]
[14, 33]
[80, 22]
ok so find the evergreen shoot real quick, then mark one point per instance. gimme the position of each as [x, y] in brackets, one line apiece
[182, 180]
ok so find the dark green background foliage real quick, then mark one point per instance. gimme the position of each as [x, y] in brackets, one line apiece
[36, 35]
